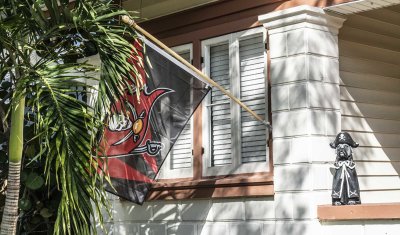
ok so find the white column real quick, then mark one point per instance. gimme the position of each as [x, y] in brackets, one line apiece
[305, 112]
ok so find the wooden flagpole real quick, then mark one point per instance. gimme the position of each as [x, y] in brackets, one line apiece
[127, 20]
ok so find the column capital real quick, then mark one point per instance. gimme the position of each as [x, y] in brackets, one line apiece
[302, 17]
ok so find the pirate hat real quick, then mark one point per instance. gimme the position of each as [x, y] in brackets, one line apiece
[344, 138]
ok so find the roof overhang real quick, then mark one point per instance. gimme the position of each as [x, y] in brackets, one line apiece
[360, 6]
[151, 9]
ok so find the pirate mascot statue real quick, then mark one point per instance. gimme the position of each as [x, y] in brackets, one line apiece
[345, 187]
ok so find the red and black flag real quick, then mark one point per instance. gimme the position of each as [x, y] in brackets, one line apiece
[140, 132]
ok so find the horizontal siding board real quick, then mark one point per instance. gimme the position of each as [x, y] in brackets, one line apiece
[370, 125]
[375, 25]
[384, 15]
[369, 47]
[369, 96]
[369, 38]
[369, 81]
[379, 182]
[358, 50]
[363, 66]
[384, 196]
[376, 139]
[377, 154]
[378, 168]
[390, 112]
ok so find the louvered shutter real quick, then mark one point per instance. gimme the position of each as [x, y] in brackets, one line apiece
[252, 93]
[221, 141]
[181, 153]
[237, 142]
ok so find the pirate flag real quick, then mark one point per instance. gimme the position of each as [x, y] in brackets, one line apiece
[139, 133]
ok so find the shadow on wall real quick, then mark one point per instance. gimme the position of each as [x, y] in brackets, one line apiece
[370, 99]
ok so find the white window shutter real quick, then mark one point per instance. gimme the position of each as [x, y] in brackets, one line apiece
[237, 142]
[252, 93]
[221, 141]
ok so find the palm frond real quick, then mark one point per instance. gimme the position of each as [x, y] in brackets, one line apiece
[66, 124]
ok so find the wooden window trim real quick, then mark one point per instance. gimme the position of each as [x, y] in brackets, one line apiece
[369, 211]
[243, 185]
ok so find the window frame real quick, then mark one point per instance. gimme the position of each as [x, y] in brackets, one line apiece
[237, 167]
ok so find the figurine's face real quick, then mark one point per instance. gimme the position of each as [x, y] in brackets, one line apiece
[344, 150]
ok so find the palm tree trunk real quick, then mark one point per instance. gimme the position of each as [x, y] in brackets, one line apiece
[10, 214]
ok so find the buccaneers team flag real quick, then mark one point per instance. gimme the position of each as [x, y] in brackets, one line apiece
[142, 128]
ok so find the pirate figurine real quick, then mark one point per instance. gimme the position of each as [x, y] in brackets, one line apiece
[345, 187]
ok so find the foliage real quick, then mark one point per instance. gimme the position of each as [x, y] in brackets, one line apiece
[40, 41]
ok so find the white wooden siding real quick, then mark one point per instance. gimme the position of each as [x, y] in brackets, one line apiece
[369, 47]
[252, 92]
[221, 139]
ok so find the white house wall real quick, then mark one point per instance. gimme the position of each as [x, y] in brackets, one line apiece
[193, 217]
[369, 60]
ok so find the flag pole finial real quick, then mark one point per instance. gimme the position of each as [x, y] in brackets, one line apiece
[128, 20]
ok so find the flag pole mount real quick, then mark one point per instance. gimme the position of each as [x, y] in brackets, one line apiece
[129, 21]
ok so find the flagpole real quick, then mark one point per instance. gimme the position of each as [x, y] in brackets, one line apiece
[127, 20]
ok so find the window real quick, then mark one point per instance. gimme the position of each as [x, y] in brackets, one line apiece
[234, 142]
[179, 162]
